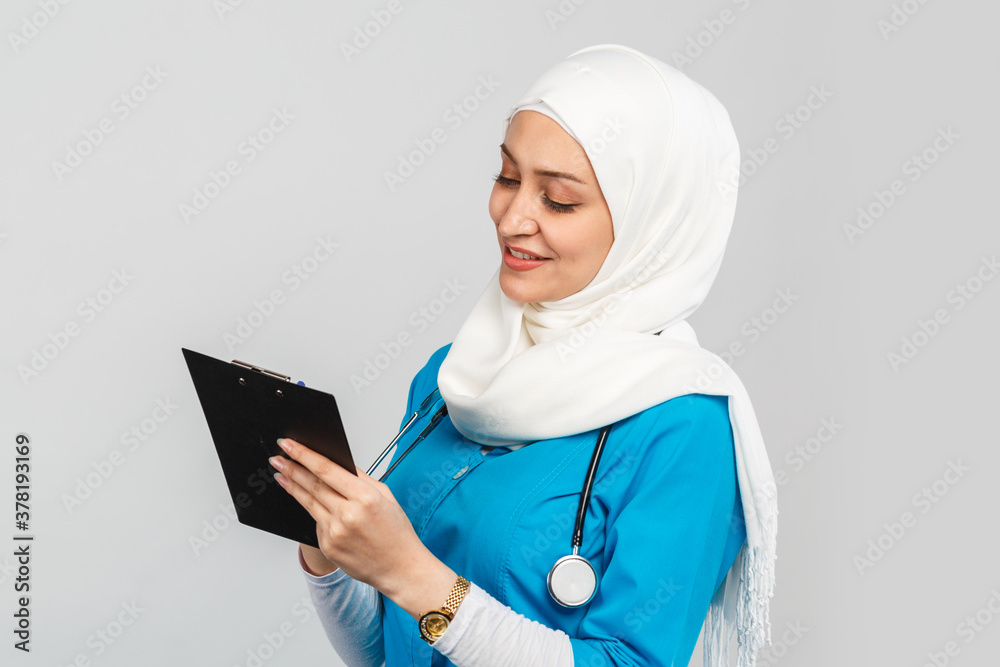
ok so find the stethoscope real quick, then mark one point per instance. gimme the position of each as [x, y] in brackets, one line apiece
[572, 581]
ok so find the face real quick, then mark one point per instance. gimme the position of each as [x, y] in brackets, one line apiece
[547, 204]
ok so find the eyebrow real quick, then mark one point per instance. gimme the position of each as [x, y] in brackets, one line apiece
[545, 172]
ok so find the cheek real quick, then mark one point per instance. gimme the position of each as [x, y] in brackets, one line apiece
[584, 242]
[601, 234]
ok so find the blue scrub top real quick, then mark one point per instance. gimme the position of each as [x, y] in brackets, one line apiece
[665, 524]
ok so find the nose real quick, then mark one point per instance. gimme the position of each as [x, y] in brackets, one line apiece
[518, 219]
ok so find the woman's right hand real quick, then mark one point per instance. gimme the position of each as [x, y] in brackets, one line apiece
[317, 564]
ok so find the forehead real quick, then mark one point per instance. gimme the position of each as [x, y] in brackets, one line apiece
[534, 137]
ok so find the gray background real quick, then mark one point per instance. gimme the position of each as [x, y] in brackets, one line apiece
[825, 358]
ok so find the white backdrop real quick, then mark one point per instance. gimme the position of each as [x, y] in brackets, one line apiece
[212, 175]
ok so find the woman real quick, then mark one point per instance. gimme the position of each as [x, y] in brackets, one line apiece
[612, 214]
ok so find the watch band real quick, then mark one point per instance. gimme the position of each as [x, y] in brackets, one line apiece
[434, 623]
[457, 594]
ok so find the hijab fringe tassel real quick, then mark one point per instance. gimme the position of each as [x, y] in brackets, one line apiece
[753, 623]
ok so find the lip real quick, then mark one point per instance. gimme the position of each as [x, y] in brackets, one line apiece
[518, 264]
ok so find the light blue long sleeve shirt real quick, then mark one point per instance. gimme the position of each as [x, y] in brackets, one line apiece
[664, 525]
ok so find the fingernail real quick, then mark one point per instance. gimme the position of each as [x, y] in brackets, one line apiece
[283, 443]
[277, 462]
[281, 479]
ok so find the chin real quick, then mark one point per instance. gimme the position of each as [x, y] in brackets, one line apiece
[522, 293]
[518, 292]
[515, 295]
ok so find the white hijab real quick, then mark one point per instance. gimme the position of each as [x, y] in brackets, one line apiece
[666, 157]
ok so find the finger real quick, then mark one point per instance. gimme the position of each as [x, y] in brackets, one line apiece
[308, 481]
[335, 477]
[382, 488]
[317, 510]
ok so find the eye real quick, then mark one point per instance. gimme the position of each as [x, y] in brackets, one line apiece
[504, 182]
[555, 206]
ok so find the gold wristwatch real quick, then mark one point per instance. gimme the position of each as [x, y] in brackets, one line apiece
[434, 623]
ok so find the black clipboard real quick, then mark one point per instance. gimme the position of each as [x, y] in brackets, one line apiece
[247, 409]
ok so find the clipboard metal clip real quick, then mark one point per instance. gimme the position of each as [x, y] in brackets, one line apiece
[243, 364]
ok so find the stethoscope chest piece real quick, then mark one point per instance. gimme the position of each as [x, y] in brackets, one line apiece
[572, 581]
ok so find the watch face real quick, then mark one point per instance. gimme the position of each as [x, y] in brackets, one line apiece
[433, 624]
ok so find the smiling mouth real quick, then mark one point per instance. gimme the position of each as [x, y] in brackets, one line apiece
[522, 255]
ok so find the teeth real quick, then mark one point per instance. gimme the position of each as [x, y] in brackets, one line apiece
[521, 255]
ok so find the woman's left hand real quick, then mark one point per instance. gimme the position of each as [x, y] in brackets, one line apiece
[361, 527]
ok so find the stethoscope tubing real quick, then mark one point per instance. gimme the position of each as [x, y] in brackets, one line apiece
[588, 485]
